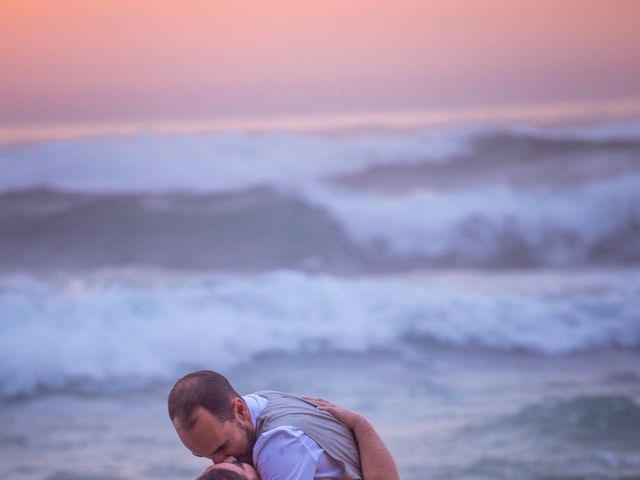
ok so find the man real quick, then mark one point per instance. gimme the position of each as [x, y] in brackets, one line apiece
[376, 461]
[285, 437]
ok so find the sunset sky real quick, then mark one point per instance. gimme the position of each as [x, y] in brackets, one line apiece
[123, 60]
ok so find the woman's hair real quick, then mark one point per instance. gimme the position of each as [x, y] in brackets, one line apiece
[220, 474]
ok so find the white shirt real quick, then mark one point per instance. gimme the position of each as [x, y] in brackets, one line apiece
[286, 453]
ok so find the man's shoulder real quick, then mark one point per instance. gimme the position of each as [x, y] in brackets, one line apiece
[274, 393]
[277, 428]
[276, 398]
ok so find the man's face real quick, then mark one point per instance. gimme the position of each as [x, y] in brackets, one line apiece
[218, 439]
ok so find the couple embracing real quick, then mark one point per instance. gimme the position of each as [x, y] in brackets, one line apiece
[273, 435]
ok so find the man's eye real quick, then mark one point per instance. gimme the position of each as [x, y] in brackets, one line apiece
[221, 449]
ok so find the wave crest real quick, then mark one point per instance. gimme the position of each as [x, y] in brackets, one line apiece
[102, 330]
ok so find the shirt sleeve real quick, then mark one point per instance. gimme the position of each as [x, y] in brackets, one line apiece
[283, 454]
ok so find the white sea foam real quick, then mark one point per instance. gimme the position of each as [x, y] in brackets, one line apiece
[198, 162]
[110, 329]
[557, 227]
[209, 162]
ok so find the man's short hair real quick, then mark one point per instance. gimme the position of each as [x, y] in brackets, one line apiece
[205, 389]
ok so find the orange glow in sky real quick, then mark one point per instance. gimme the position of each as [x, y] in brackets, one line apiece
[107, 60]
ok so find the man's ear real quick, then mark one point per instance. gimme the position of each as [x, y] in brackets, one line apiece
[240, 410]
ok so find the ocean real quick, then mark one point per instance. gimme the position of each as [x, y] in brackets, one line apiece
[472, 288]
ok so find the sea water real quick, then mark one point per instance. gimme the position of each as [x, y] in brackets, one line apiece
[474, 290]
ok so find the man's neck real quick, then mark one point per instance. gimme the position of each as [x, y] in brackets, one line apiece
[255, 404]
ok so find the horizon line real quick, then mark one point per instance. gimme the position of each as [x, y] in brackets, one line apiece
[547, 112]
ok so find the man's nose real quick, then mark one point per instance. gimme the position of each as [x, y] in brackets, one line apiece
[218, 458]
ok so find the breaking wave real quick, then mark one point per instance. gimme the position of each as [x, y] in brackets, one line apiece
[106, 329]
[213, 162]
[496, 226]
[325, 228]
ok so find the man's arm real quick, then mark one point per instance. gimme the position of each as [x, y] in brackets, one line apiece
[375, 459]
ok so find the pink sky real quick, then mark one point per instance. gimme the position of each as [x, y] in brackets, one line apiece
[113, 60]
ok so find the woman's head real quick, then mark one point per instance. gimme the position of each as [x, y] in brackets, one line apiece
[220, 475]
[230, 469]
